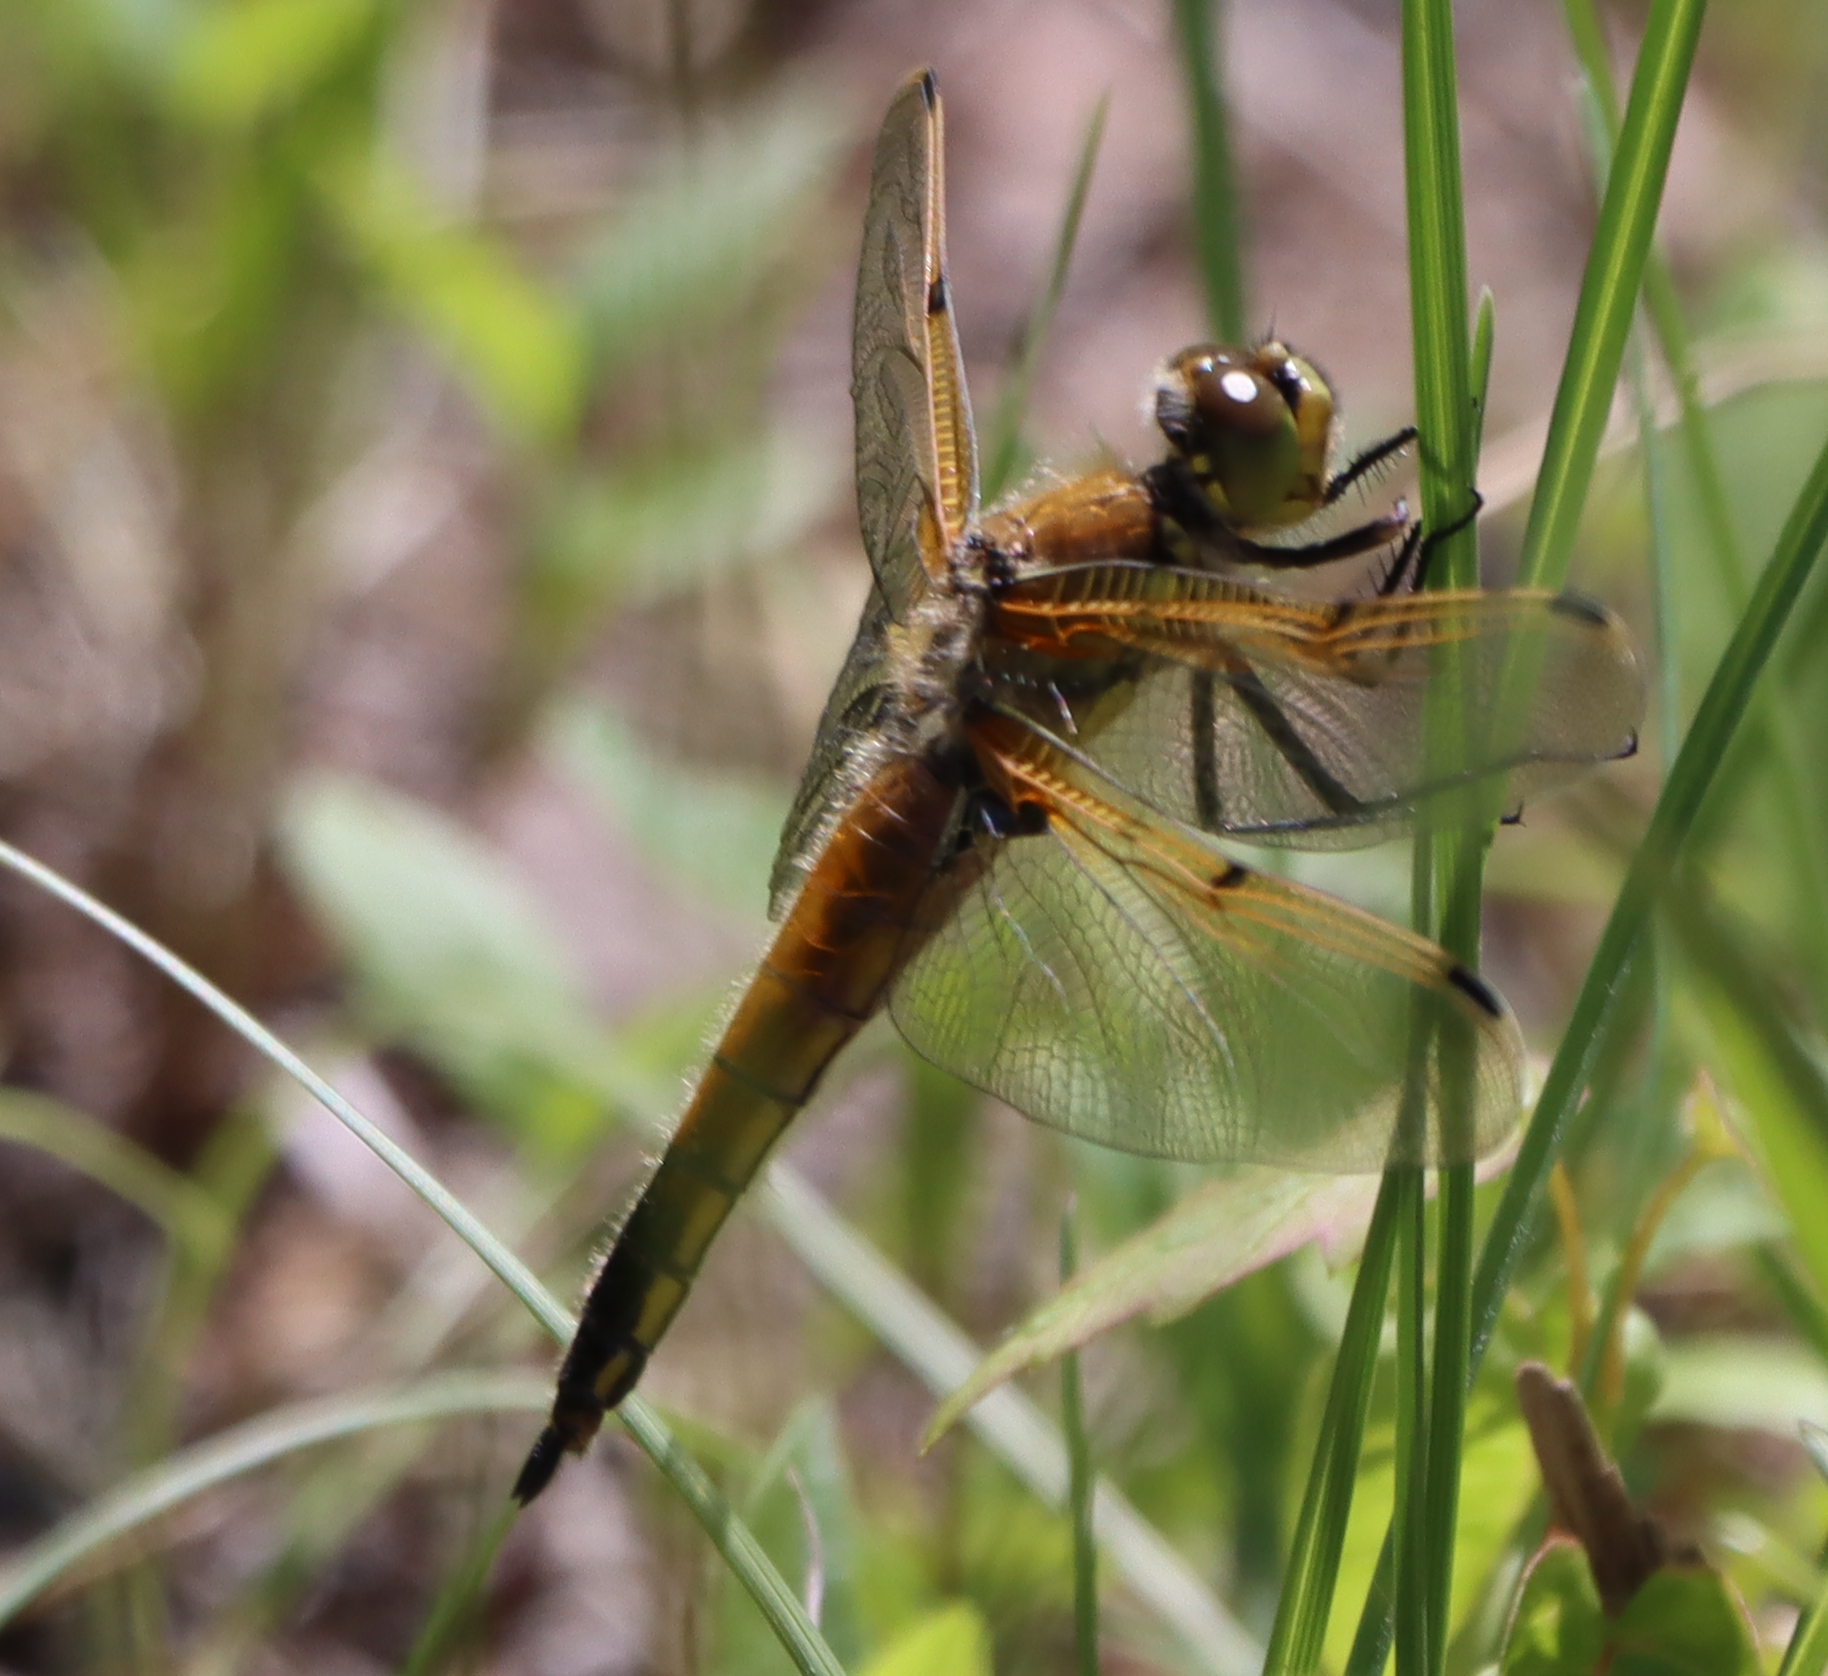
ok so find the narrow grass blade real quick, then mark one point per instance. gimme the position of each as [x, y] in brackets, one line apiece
[1080, 1483]
[1215, 191]
[1709, 735]
[1596, 1007]
[1609, 290]
[1808, 1649]
[1006, 1421]
[183, 1210]
[1326, 1505]
[1003, 450]
[149, 1495]
[1410, 1515]
[1448, 865]
[1808, 863]
[732, 1539]
[458, 1602]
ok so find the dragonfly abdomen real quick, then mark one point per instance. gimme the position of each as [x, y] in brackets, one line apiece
[841, 944]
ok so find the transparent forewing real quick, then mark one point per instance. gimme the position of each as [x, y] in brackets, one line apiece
[1125, 982]
[843, 751]
[916, 459]
[1279, 720]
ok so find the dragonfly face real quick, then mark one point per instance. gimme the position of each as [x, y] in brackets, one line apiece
[1005, 833]
[1252, 428]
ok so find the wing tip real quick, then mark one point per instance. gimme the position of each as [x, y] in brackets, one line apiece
[929, 85]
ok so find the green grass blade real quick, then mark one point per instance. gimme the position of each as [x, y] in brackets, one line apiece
[186, 1213]
[1609, 289]
[1808, 863]
[1808, 1649]
[150, 1494]
[1595, 1009]
[1080, 1482]
[732, 1539]
[1709, 736]
[1371, 1645]
[1437, 280]
[1011, 1426]
[1448, 865]
[1299, 1633]
[1410, 1515]
[1003, 451]
[1485, 333]
[1215, 191]
[458, 1605]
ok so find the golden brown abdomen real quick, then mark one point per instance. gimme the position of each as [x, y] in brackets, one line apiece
[825, 974]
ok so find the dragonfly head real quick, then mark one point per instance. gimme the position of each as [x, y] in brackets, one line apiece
[1253, 426]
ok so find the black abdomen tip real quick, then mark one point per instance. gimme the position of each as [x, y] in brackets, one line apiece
[542, 1462]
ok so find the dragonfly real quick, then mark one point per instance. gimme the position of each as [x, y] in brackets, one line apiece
[1007, 834]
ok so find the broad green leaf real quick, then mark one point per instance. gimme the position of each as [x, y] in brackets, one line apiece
[1212, 1237]
[1726, 1207]
[950, 1641]
[1685, 1621]
[658, 524]
[801, 1508]
[239, 62]
[451, 952]
[686, 249]
[1776, 1079]
[519, 346]
[712, 832]
[1557, 1628]
[1737, 1381]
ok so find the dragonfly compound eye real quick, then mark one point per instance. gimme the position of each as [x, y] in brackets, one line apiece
[1236, 425]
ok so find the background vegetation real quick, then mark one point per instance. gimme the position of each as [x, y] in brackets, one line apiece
[425, 541]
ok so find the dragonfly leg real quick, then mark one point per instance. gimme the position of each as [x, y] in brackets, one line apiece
[1368, 461]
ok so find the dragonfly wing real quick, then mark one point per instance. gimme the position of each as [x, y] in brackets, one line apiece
[916, 452]
[1278, 720]
[843, 753]
[1122, 980]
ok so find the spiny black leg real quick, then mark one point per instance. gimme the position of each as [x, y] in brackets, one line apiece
[1363, 538]
[1282, 733]
[1434, 538]
[1369, 460]
[1402, 570]
[1203, 726]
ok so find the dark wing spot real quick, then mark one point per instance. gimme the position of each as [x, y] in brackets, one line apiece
[1476, 990]
[929, 88]
[1233, 876]
[1581, 609]
[938, 298]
